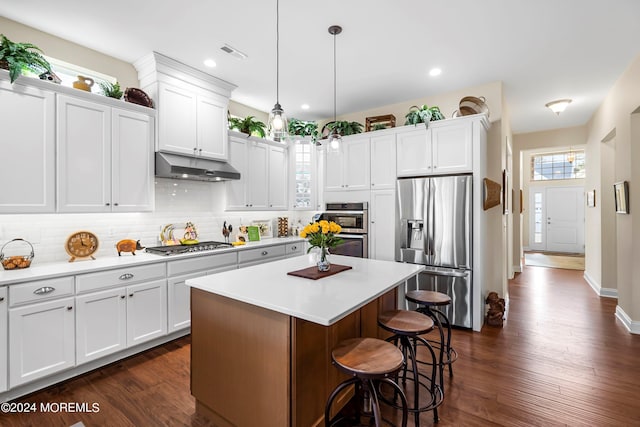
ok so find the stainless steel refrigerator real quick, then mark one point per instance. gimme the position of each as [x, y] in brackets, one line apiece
[434, 228]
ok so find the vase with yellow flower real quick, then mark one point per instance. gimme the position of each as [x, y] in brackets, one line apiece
[322, 235]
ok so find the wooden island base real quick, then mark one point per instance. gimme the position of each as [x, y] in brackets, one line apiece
[252, 366]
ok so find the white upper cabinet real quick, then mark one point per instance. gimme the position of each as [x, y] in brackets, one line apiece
[192, 107]
[445, 147]
[383, 166]
[105, 161]
[263, 174]
[28, 134]
[349, 168]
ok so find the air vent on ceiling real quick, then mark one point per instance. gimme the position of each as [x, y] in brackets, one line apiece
[234, 52]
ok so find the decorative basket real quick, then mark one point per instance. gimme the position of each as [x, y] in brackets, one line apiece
[16, 262]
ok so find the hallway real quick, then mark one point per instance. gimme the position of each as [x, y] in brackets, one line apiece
[561, 358]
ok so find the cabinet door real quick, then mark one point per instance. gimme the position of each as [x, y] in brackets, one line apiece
[452, 148]
[179, 302]
[333, 180]
[382, 232]
[146, 311]
[84, 155]
[236, 189]
[41, 340]
[277, 178]
[356, 165]
[383, 162]
[132, 161]
[413, 152]
[28, 134]
[176, 120]
[101, 324]
[4, 325]
[212, 128]
[258, 173]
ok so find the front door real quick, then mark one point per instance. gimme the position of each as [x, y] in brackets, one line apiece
[557, 219]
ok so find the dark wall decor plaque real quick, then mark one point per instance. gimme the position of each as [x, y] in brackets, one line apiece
[491, 194]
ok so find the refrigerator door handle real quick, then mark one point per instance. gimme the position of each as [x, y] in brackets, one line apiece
[448, 273]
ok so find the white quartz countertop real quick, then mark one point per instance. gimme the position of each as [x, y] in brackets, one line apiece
[56, 269]
[323, 301]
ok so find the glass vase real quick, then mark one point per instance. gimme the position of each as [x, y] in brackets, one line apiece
[323, 262]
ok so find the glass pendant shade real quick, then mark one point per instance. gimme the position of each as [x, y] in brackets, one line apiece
[335, 139]
[278, 125]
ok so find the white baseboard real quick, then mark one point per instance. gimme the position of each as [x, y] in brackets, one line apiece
[631, 325]
[517, 269]
[599, 290]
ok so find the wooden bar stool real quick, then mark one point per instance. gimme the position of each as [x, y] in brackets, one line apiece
[407, 326]
[370, 362]
[428, 301]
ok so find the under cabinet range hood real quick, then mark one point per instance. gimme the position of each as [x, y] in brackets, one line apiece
[193, 168]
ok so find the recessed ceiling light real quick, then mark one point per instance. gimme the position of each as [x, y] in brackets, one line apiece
[305, 106]
[210, 63]
[435, 72]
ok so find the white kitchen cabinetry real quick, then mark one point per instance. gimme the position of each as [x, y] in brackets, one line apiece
[41, 340]
[191, 123]
[4, 330]
[348, 169]
[382, 225]
[444, 148]
[263, 175]
[257, 256]
[383, 166]
[101, 324]
[28, 148]
[295, 249]
[105, 161]
[452, 147]
[118, 309]
[179, 294]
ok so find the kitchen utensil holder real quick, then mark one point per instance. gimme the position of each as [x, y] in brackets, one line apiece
[16, 262]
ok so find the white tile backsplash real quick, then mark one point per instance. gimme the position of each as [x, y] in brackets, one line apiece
[176, 201]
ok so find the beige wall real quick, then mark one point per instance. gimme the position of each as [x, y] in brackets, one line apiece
[617, 114]
[70, 52]
[241, 110]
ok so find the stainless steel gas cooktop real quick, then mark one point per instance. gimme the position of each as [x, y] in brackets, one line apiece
[181, 249]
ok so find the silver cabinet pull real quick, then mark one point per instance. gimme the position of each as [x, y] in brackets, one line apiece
[126, 276]
[265, 253]
[44, 290]
[293, 248]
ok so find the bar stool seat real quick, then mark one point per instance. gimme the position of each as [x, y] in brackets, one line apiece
[370, 362]
[429, 303]
[407, 327]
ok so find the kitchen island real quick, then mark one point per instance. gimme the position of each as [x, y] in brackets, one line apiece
[262, 339]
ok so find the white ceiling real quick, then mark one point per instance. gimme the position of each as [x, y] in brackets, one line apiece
[541, 50]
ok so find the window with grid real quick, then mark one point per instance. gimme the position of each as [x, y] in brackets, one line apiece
[565, 165]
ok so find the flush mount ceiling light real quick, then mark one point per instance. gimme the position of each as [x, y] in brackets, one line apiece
[335, 139]
[278, 125]
[558, 106]
[305, 106]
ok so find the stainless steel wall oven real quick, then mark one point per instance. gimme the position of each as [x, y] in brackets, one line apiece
[354, 220]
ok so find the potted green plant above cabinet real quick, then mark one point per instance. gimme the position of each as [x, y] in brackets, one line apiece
[304, 128]
[20, 57]
[423, 114]
[249, 125]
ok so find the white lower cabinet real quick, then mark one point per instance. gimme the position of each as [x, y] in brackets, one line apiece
[146, 311]
[101, 324]
[41, 340]
[382, 230]
[179, 302]
[3, 338]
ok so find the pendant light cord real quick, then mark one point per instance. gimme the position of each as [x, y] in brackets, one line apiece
[334, 77]
[277, 51]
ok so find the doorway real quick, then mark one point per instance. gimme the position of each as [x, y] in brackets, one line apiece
[557, 219]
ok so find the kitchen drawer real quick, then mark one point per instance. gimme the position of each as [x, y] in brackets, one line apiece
[294, 249]
[40, 290]
[201, 263]
[261, 254]
[119, 277]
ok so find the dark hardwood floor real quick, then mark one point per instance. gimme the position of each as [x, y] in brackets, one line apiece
[561, 359]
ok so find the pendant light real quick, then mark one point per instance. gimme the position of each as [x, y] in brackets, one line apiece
[335, 139]
[278, 126]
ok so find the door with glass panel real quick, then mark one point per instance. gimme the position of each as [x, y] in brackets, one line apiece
[556, 219]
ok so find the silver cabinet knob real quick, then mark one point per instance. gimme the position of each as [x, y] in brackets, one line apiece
[107, 204]
[264, 253]
[122, 296]
[69, 308]
[1, 299]
[130, 295]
